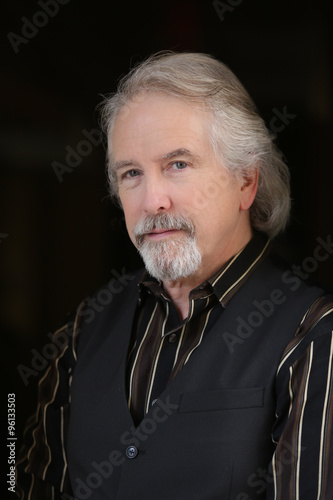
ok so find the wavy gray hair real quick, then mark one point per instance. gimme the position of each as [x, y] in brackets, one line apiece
[237, 133]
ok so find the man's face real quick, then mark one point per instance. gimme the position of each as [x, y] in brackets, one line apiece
[175, 194]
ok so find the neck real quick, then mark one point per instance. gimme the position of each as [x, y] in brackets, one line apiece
[179, 292]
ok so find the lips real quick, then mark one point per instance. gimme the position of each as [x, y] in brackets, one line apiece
[159, 233]
[157, 227]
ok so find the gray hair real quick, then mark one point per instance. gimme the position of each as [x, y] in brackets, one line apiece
[237, 133]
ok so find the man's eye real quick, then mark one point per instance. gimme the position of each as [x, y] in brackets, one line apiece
[179, 165]
[130, 174]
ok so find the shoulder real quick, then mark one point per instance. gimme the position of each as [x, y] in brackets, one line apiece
[123, 285]
[105, 307]
[299, 308]
[317, 323]
[299, 291]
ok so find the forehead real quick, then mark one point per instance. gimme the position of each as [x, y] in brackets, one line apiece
[150, 101]
[153, 119]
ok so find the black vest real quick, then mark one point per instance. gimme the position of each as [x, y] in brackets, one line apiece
[210, 431]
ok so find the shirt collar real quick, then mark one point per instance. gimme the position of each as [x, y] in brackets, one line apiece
[236, 272]
[227, 280]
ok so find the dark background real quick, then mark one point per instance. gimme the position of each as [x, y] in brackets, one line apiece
[61, 240]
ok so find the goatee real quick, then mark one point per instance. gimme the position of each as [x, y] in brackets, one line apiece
[173, 258]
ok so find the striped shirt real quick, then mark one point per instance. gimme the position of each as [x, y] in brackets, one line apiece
[302, 464]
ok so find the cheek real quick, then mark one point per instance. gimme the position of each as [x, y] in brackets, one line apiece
[128, 202]
[131, 221]
[130, 214]
[130, 225]
[216, 216]
[209, 195]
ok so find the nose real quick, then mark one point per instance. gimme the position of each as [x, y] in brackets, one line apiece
[157, 195]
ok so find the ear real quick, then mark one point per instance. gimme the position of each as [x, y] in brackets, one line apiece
[249, 189]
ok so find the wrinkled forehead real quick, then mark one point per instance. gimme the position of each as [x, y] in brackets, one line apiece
[156, 125]
[133, 102]
[149, 112]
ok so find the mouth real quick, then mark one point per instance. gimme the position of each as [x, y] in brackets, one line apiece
[157, 234]
[162, 227]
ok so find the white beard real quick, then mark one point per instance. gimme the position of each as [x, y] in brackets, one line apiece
[170, 259]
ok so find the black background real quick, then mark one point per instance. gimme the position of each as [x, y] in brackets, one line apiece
[61, 240]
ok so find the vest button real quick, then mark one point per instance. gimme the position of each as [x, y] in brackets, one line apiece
[172, 338]
[131, 452]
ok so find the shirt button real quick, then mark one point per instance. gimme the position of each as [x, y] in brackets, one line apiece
[172, 338]
[131, 452]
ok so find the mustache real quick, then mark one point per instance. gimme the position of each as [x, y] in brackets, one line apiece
[162, 221]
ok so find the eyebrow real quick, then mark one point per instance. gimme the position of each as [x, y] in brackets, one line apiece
[178, 152]
[122, 163]
[172, 154]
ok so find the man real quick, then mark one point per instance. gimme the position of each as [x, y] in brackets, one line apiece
[209, 375]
